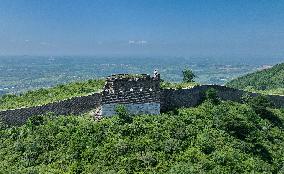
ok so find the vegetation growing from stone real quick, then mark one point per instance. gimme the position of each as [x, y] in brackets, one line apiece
[128, 76]
[182, 85]
[277, 91]
[215, 137]
[48, 95]
[267, 81]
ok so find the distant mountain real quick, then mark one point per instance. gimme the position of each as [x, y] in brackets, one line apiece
[266, 79]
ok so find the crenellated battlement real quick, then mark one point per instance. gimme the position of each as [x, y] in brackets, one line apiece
[125, 88]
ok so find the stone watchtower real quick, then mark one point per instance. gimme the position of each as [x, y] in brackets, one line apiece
[140, 94]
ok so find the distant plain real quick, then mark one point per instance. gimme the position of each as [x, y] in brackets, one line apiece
[23, 73]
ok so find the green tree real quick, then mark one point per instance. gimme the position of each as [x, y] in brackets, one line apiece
[188, 75]
[211, 95]
[260, 104]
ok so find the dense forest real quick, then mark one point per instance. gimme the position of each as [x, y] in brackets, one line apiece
[214, 137]
[265, 81]
[48, 95]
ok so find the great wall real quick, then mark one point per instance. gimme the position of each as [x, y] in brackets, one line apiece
[140, 94]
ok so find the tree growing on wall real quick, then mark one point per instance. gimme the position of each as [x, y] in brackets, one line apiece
[188, 75]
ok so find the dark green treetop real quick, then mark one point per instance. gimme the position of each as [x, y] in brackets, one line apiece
[188, 75]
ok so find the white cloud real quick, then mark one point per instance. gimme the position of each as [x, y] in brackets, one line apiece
[46, 44]
[142, 42]
[138, 42]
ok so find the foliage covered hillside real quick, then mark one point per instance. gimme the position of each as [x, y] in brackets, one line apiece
[271, 79]
[44, 96]
[215, 137]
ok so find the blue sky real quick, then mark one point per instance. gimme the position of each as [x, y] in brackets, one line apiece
[199, 28]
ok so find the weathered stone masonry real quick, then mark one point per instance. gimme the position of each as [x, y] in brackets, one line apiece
[139, 94]
[75, 105]
[172, 98]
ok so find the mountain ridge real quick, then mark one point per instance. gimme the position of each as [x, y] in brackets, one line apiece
[264, 80]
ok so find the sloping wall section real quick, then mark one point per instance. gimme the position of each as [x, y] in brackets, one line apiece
[171, 98]
[75, 105]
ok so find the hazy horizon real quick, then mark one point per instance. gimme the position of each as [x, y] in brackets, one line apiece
[220, 29]
[221, 60]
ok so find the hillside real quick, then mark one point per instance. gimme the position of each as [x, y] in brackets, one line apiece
[224, 137]
[267, 81]
[48, 95]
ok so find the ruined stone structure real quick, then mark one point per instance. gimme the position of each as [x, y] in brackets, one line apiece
[140, 94]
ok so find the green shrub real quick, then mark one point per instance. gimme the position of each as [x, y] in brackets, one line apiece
[259, 104]
[212, 95]
[123, 115]
[224, 138]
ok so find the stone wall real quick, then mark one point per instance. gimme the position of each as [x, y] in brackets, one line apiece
[75, 105]
[133, 108]
[149, 100]
[138, 93]
[171, 98]
[122, 88]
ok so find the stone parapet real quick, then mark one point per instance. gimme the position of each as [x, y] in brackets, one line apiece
[75, 105]
[176, 98]
[140, 94]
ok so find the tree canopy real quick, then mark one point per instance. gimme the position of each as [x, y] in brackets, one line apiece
[188, 75]
[226, 137]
